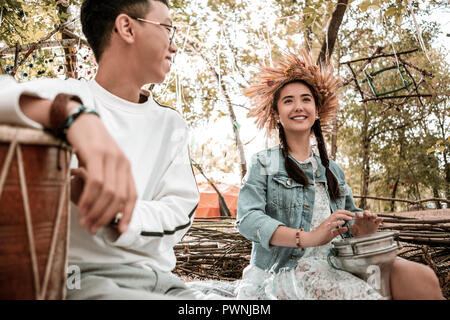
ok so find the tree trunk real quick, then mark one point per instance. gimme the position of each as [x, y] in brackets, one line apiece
[223, 208]
[366, 159]
[446, 160]
[394, 193]
[234, 123]
[365, 176]
[70, 53]
[436, 195]
[223, 90]
[332, 31]
[326, 52]
[447, 178]
[307, 32]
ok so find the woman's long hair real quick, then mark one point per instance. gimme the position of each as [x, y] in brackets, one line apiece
[292, 169]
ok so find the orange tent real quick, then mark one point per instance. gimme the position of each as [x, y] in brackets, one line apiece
[209, 199]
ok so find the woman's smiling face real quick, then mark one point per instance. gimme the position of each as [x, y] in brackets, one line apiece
[296, 108]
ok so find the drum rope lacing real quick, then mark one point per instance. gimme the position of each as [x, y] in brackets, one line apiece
[40, 293]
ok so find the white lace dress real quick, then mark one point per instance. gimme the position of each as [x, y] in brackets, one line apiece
[313, 278]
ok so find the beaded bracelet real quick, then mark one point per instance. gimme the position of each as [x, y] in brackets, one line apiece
[297, 239]
[74, 114]
[58, 113]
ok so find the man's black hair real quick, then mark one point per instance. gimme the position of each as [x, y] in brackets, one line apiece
[98, 18]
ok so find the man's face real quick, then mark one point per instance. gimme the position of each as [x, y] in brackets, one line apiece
[154, 52]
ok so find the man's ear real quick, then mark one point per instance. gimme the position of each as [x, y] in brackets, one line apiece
[124, 27]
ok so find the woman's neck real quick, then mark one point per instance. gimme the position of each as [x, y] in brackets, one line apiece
[299, 145]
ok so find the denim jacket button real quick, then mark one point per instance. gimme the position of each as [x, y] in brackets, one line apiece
[305, 207]
[317, 174]
[288, 182]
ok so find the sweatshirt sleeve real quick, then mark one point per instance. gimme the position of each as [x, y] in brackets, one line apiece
[11, 91]
[160, 223]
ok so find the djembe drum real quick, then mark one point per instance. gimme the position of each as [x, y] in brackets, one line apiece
[369, 258]
[34, 205]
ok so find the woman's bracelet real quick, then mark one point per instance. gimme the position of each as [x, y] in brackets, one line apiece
[297, 240]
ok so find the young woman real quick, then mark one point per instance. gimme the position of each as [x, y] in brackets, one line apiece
[295, 201]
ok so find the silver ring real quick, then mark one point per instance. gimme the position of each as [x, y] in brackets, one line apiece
[118, 217]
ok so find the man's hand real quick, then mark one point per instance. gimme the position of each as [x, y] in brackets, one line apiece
[109, 186]
[77, 178]
[365, 223]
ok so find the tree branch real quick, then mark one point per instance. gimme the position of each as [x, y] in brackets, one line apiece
[38, 45]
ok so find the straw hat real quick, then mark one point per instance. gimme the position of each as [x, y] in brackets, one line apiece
[293, 67]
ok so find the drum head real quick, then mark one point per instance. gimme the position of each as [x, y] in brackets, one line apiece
[31, 136]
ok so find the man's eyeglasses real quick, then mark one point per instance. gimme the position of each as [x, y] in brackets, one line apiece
[171, 29]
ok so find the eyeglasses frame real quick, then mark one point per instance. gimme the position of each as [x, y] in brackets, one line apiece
[174, 28]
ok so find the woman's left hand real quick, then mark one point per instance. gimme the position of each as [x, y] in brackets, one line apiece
[365, 223]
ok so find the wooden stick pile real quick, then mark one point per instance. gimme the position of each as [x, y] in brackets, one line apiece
[426, 241]
[213, 249]
[432, 232]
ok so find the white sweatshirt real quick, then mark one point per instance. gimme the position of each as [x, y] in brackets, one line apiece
[153, 138]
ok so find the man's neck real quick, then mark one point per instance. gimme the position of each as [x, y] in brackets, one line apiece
[119, 82]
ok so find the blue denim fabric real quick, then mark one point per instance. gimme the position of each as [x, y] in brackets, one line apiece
[270, 198]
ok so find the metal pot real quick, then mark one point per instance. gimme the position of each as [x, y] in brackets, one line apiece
[368, 257]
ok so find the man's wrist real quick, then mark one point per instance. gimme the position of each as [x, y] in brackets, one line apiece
[59, 113]
[71, 105]
[76, 113]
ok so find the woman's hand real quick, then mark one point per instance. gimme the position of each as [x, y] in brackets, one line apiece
[328, 229]
[365, 223]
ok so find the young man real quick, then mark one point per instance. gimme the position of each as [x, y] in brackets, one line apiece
[133, 159]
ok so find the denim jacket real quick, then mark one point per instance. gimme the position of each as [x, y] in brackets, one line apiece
[270, 198]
